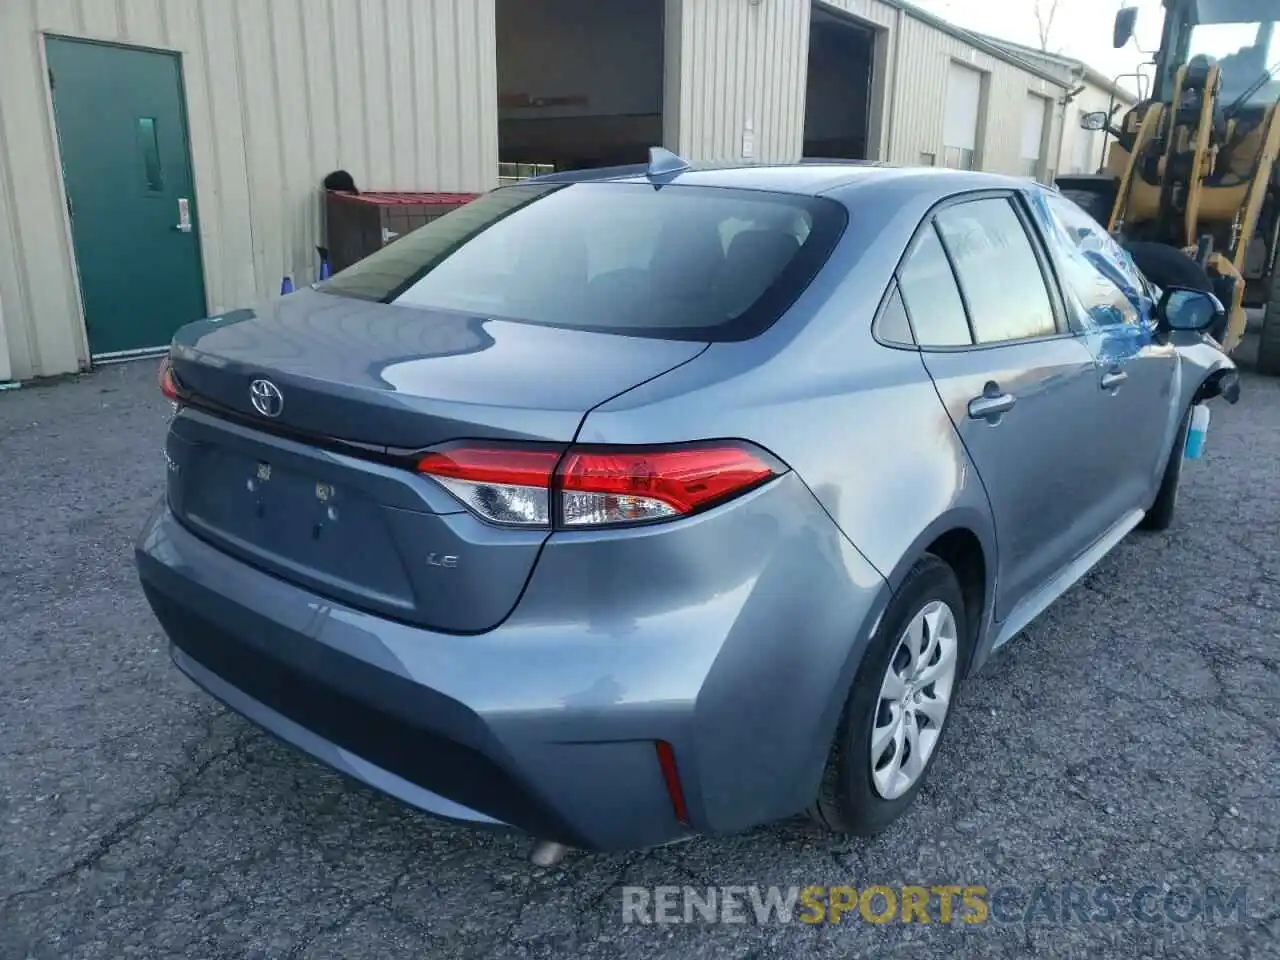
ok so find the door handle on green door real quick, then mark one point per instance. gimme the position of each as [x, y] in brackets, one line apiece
[184, 216]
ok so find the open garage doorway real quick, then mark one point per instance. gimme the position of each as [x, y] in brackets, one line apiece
[837, 113]
[579, 83]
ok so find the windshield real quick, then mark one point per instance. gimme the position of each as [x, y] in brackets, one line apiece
[680, 262]
[1243, 51]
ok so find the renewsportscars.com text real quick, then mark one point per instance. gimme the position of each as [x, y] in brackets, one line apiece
[941, 903]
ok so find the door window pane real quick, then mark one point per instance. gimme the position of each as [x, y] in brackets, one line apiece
[998, 271]
[149, 145]
[1096, 273]
[932, 300]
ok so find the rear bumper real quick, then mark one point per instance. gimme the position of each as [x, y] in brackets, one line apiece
[548, 723]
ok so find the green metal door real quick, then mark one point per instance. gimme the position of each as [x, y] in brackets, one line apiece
[122, 132]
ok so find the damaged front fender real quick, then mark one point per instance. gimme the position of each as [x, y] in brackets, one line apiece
[1222, 382]
[1207, 372]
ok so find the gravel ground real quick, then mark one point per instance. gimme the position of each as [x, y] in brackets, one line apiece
[1129, 738]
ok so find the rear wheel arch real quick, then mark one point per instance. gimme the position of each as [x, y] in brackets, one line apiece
[961, 550]
[965, 540]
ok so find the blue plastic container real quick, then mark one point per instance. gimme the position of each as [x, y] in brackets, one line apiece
[1199, 429]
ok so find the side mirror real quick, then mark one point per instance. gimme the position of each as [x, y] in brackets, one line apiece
[1126, 20]
[1097, 120]
[1190, 310]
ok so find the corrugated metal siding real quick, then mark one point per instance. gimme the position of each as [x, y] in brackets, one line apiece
[5, 368]
[871, 11]
[918, 102]
[403, 93]
[742, 64]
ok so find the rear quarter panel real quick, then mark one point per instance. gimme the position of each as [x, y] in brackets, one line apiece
[860, 422]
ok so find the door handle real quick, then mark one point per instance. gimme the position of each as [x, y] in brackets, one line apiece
[991, 405]
[184, 216]
[1113, 378]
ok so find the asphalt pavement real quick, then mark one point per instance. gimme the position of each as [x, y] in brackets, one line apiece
[1128, 744]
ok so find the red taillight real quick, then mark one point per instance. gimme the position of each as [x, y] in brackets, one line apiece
[671, 775]
[590, 486]
[627, 487]
[504, 485]
[168, 386]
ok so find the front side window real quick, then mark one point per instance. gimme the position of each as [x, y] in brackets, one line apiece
[999, 272]
[678, 262]
[1096, 271]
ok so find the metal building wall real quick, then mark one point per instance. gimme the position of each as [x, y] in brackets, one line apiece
[279, 92]
[919, 101]
[742, 69]
[1092, 98]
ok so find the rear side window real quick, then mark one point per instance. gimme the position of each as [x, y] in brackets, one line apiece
[998, 270]
[893, 325]
[678, 262]
[931, 297]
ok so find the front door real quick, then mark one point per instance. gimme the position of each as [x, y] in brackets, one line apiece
[126, 165]
[1115, 313]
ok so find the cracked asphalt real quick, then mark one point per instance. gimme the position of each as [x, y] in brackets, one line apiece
[1130, 738]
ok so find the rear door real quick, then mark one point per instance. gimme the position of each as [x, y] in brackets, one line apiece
[1020, 388]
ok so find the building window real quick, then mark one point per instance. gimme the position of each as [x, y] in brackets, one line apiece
[962, 119]
[515, 172]
[149, 143]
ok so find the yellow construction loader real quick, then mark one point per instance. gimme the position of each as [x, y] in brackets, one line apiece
[1190, 184]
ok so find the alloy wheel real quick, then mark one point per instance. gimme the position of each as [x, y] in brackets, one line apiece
[915, 696]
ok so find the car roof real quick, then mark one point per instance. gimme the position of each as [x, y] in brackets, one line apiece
[807, 177]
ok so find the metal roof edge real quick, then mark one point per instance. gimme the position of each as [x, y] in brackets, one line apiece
[975, 40]
[1096, 77]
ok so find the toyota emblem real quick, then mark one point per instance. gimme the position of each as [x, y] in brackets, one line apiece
[266, 398]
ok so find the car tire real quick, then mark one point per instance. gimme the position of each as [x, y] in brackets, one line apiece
[1160, 515]
[849, 799]
[1167, 266]
[1269, 339]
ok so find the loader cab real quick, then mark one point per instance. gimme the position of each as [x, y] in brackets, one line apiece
[1191, 166]
[1241, 36]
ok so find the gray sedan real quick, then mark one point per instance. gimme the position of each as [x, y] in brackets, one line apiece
[622, 505]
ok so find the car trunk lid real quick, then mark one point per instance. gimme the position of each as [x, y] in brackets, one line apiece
[321, 491]
[405, 377]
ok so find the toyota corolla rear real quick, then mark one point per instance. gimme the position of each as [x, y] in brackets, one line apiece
[382, 542]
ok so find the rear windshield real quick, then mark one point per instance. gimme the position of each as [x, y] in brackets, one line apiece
[677, 262]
